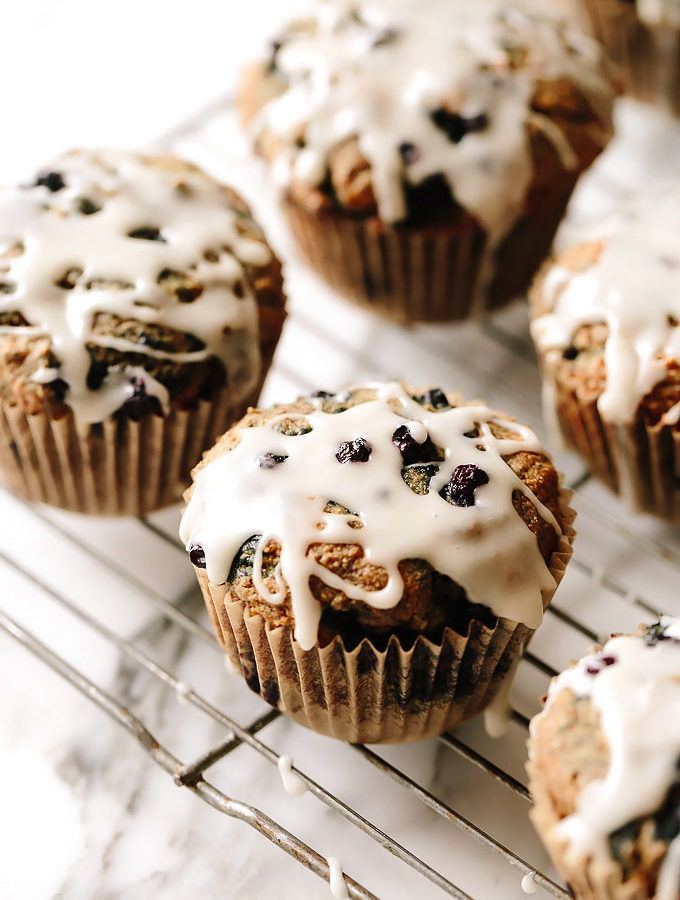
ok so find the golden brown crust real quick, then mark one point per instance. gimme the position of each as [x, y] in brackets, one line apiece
[430, 600]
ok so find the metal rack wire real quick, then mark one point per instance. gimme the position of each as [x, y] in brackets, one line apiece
[599, 512]
[192, 774]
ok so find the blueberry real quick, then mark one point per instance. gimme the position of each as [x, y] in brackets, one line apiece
[435, 399]
[53, 181]
[139, 403]
[270, 460]
[87, 207]
[323, 395]
[600, 663]
[189, 294]
[197, 556]
[354, 451]
[147, 233]
[570, 353]
[411, 451]
[656, 633]
[409, 152]
[455, 126]
[460, 491]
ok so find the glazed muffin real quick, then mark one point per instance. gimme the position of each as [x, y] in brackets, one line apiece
[604, 768]
[605, 316]
[140, 307]
[427, 150]
[643, 39]
[386, 556]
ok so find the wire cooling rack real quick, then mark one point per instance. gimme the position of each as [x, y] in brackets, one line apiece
[624, 569]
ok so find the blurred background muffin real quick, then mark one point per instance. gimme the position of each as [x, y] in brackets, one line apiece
[428, 151]
[140, 307]
[605, 322]
[604, 768]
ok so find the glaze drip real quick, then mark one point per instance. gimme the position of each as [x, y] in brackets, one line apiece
[485, 546]
[633, 286]
[634, 683]
[430, 100]
[97, 233]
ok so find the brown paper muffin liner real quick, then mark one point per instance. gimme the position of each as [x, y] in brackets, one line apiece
[648, 58]
[429, 274]
[367, 695]
[639, 461]
[588, 877]
[116, 467]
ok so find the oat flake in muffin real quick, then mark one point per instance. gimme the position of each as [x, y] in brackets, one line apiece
[95, 235]
[633, 687]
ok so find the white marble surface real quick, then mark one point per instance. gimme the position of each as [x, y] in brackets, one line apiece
[85, 813]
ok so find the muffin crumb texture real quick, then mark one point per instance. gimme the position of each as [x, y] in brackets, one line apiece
[605, 768]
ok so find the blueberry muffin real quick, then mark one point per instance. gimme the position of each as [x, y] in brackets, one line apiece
[427, 150]
[643, 38]
[139, 310]
[605, 322]
[386, 556]
[605, 768]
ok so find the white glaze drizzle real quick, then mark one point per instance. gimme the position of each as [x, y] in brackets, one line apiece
[182, 691]
[341, 85]
[634, 288]
[638, 699]
[528, 883]
[292, 783]
[336, 879]
[486, 548]
[193, 215]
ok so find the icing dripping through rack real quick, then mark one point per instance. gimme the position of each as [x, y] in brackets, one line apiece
[593, 570]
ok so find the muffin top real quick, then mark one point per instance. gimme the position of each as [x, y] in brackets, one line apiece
[609, 742]
[379, 503]
[606, 313]
[120, 276]
[391, 105]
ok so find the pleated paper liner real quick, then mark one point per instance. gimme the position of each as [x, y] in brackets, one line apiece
[116, 467]
[428, 274]
[588, 877]
[639, 461]
[369, 695]
[648, 59]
